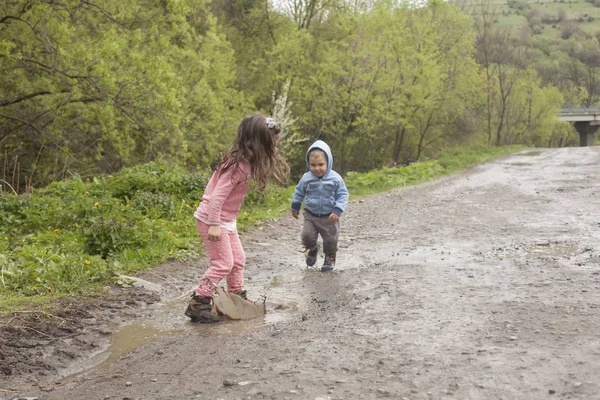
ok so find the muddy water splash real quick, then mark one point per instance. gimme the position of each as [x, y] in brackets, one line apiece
[167, 320]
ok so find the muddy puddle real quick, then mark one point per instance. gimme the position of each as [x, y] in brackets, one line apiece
[541, 250]
[167, 319]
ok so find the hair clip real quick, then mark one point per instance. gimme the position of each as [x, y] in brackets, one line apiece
[270, 123]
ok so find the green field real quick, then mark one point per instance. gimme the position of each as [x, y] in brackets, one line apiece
[513, 15]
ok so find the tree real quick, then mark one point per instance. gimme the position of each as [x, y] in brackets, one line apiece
[93, 88]
[484, 44]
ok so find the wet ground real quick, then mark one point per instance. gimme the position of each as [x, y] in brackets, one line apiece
[482, 285]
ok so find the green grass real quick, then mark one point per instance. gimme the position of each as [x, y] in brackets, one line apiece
[10, 301]
[514, 18]
[447, 162]
[512, 21]
[74, 237]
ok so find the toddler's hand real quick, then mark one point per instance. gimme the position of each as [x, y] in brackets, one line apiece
[334, 217]
[214, 233]
[295, 214]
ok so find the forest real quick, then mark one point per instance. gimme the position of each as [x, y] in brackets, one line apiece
[91, 87]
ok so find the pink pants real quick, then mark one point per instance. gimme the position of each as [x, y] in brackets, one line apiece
[227, 260]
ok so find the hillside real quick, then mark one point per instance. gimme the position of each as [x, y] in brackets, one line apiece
[549, 19]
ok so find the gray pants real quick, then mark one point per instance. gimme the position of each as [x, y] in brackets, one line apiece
[328, 229]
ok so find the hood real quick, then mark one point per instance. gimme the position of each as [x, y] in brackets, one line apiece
[319, 144]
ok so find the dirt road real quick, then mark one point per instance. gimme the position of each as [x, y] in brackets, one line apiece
[482, 285]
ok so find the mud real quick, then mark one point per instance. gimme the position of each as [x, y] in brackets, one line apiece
[482, 285]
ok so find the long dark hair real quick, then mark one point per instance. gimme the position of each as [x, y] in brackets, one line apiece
[255, 143]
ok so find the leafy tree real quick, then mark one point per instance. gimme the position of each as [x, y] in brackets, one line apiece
[531, 111]
[92, 87]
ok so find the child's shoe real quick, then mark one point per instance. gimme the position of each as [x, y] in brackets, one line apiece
[311, 256]
[328, 264]
[199, 310]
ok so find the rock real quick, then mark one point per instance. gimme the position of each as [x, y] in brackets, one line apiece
[244, 383]
[228, 382]
[138, 282]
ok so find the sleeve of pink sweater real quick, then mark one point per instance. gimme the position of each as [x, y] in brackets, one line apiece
[226, 183]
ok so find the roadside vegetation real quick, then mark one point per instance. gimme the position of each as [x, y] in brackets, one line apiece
[76, 236]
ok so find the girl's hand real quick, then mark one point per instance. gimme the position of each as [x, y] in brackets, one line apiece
[295, 214]
[334, 217]
[214, 233]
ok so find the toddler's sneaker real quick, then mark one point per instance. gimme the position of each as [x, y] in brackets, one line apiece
[328, 264]
[311, 256]
[199, 310]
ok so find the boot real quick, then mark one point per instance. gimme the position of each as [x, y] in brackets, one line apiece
[199, 310]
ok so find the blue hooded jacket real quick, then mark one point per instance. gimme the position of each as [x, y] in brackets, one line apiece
[324, 195]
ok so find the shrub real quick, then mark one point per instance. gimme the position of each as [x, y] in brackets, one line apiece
[104, 237]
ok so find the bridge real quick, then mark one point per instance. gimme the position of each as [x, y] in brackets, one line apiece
[586, 121]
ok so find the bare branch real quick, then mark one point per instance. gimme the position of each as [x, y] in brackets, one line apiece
[103, 11]
[11, 188]
[29, 96]
[36, 31]
[23, 122]
[54, 69]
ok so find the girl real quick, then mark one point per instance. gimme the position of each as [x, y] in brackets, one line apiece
[253, 155]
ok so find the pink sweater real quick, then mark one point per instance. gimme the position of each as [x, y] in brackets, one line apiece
[224, 194]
